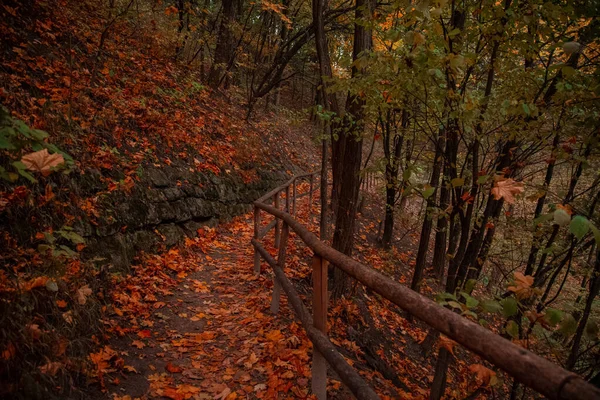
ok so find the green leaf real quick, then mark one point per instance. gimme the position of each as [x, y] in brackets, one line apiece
[5, 138]
[561, 217]
[43, 248]
[428, 192]
[483, 179]
[445, 296]
[512, 329]
[553, 316]
[568, 325]
[470, 285]
[454, 32]
[491, 306]
[454, 304]
[526, 109]
[22, 170]
[457, 182]
[509, 307]
[579, 226]
[38, 134]
[72, 236]
[472, 302]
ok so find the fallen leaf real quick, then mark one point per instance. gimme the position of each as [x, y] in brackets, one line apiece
[145, 333]
[82, 294]
[483, 374]
[42, 161]
[173, 368]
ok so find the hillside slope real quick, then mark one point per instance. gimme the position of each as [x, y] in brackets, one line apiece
[107, 147]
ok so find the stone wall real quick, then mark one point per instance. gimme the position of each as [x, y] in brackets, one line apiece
[168, 204]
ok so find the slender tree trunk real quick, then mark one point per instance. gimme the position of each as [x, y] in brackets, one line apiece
[329, 102]
[225, 43]
[539, 207]
[351, 138]
[593, 293]
[428, 222]
[392, 187]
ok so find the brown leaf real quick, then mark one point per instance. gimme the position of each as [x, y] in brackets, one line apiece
[82, 294]
[507, 189]
[522, 285]
[42, 161]
[483, 374]
[51, 368]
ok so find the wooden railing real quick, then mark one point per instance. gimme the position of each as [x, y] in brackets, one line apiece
[530, 369]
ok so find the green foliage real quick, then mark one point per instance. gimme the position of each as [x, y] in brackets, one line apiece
[579, 226]
[53, 243]
[17, 137]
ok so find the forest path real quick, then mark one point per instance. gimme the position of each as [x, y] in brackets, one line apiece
[206, 332]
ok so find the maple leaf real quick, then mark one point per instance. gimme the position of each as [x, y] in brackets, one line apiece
[42, 161]
[522, 285]
[484, 375]
[507, 189]
[139, 344]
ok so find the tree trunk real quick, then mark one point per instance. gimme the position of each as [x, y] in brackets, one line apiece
[225, 44]
[594, 289]
[351, 140]
[392, 187]
[428, 222]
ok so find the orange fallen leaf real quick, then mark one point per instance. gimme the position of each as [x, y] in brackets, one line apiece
[42, 161]
[173, 368]
[145, 333]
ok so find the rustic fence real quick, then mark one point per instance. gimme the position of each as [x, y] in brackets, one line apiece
[533, 371]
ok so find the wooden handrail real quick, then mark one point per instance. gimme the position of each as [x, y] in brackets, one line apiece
[530, 369]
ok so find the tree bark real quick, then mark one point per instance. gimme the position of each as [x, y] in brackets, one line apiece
[594, 290]
[428, 222]
[225, 43]
[351, 139]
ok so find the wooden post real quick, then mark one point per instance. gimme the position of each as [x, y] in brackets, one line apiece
[278, 223]
[319, 365]
[256, 233]
[310, 196]
[287, 200]
[294, 199]
[285, 231]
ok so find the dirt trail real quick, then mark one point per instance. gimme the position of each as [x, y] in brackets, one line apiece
[206, 332]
